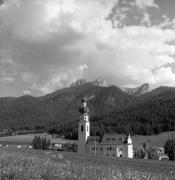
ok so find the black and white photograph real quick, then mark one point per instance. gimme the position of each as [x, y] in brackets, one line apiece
[87, 89]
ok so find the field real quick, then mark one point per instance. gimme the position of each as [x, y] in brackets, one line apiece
[138, 140]
[49, 165]
[154, 140]
[27, 139]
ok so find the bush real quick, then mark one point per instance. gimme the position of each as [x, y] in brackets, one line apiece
[70, 147]
[152, 154]
[139, 153]
[41, 143]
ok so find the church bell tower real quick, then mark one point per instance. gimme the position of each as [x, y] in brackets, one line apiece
[129, 147]
[84, 127]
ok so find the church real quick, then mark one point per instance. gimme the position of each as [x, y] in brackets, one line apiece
[109, 145]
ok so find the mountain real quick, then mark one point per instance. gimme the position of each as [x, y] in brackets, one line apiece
[61, 106]
[102, 83]
[138, 90]
[97, 82]
[111, 109]
[79, 82]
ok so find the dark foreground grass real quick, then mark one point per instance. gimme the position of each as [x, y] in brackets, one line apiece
[25, 165]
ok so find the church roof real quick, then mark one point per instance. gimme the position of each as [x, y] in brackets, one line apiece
[117, 139]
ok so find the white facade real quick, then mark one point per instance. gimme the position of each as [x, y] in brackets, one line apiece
[83, 131]
[130, 152]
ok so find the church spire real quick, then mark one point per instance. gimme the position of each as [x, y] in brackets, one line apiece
[84, 110]
[84, 127]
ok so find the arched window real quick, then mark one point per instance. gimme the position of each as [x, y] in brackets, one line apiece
[82, 128]
[87, 128]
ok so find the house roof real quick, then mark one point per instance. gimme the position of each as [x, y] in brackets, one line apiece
[117, 139]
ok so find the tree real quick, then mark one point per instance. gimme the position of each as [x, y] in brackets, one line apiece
[36, 142]
[139, 153]
[144, 145]
[41, 143]
[52, 131]
[152, 154]
[170, 149]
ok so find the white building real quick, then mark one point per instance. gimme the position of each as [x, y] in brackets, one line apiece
[110, 145]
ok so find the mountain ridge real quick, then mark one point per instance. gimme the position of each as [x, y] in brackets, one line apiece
[137, 91]
[108, 105]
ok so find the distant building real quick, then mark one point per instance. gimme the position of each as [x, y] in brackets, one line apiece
[110, 145]
[154, 152]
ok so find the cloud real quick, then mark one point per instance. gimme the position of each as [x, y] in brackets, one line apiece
[54, 42]
[163, 76]
[146, 3]
[60, 79]
[27, 92]
[7, 69]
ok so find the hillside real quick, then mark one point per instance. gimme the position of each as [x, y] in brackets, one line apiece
[61, 106]
[111, 110]
[153, 140]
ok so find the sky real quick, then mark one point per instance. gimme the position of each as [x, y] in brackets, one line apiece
[46, 45]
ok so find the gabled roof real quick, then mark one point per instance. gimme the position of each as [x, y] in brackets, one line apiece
[117, 139]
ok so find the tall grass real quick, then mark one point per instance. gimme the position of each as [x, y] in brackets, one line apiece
[22, 166]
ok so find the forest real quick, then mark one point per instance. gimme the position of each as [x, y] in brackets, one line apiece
[111, 111]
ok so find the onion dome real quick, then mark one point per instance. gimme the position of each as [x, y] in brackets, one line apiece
[84, 99]
[83, 110]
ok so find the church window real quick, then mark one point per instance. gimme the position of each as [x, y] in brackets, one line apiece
[110, 148]
[82, 128]
[87, 128]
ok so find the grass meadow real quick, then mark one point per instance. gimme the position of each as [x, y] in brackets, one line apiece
[24, 164]
[138, 140]
[27, 139]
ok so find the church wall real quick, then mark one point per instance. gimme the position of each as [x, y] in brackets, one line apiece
[95, 149]
[107, 150]
[114, 150]
[83, 134]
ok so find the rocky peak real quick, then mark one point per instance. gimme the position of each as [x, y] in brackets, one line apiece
[101, 83]
[138, 90]
[96, 82]
[79, 82]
